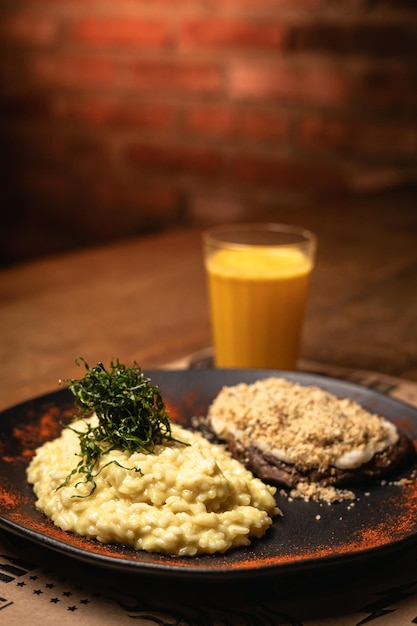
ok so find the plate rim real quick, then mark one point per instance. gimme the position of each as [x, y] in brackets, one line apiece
[151, 568]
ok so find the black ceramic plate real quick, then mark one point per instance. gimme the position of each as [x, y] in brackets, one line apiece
[309, 535]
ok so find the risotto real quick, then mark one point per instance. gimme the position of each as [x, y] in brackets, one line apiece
[181, 500]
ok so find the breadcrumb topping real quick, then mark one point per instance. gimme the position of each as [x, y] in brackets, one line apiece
[315, 492]
[305, 426]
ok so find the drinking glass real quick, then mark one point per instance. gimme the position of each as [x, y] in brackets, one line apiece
[258, 281]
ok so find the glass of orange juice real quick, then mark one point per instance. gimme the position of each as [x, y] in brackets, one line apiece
[258, 281]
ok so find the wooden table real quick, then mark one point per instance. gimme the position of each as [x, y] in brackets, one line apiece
[145, 299]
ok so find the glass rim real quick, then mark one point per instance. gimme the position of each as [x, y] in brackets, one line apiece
[217, 235]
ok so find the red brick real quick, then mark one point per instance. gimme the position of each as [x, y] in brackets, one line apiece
[86, 153]
[76, 72]
[375, 39]
[229, 122]
[262, 125]
[54, 149]
[162, 201]
[270, 4]
[286, 82]
[25, 106]
[208, 207]
[176, 160]
[109, 208]
[401, 4]
[366, 179]
[43, 184]
[176, 76]
[99, 31]
[217, 33]
[210, 121]
[383, 140]
[388, 87]
[138, 209]
[116, 112]
[276, 172]
[235, 99]
[125, 4]
[13, 71]
[29, 30]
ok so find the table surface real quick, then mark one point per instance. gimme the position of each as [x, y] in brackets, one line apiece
[145, 299]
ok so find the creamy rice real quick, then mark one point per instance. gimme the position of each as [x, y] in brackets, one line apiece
[191, 499]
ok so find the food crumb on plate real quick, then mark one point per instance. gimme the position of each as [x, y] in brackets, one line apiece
[317, 492]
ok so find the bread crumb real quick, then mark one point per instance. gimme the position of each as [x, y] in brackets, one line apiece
[402, 482]
[316, 492]
[305, 426]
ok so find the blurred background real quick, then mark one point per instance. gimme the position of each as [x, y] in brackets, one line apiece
[129, 117]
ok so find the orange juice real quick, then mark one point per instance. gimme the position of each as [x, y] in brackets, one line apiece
[258, 296]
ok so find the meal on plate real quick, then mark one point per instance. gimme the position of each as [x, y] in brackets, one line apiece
[123, 473]
[291, 435]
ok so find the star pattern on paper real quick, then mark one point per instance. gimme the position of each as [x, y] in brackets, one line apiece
[44, 585]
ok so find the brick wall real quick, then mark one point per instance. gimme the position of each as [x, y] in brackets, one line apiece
[123, 117]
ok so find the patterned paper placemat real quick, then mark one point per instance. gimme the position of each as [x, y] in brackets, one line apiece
[42, 587]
